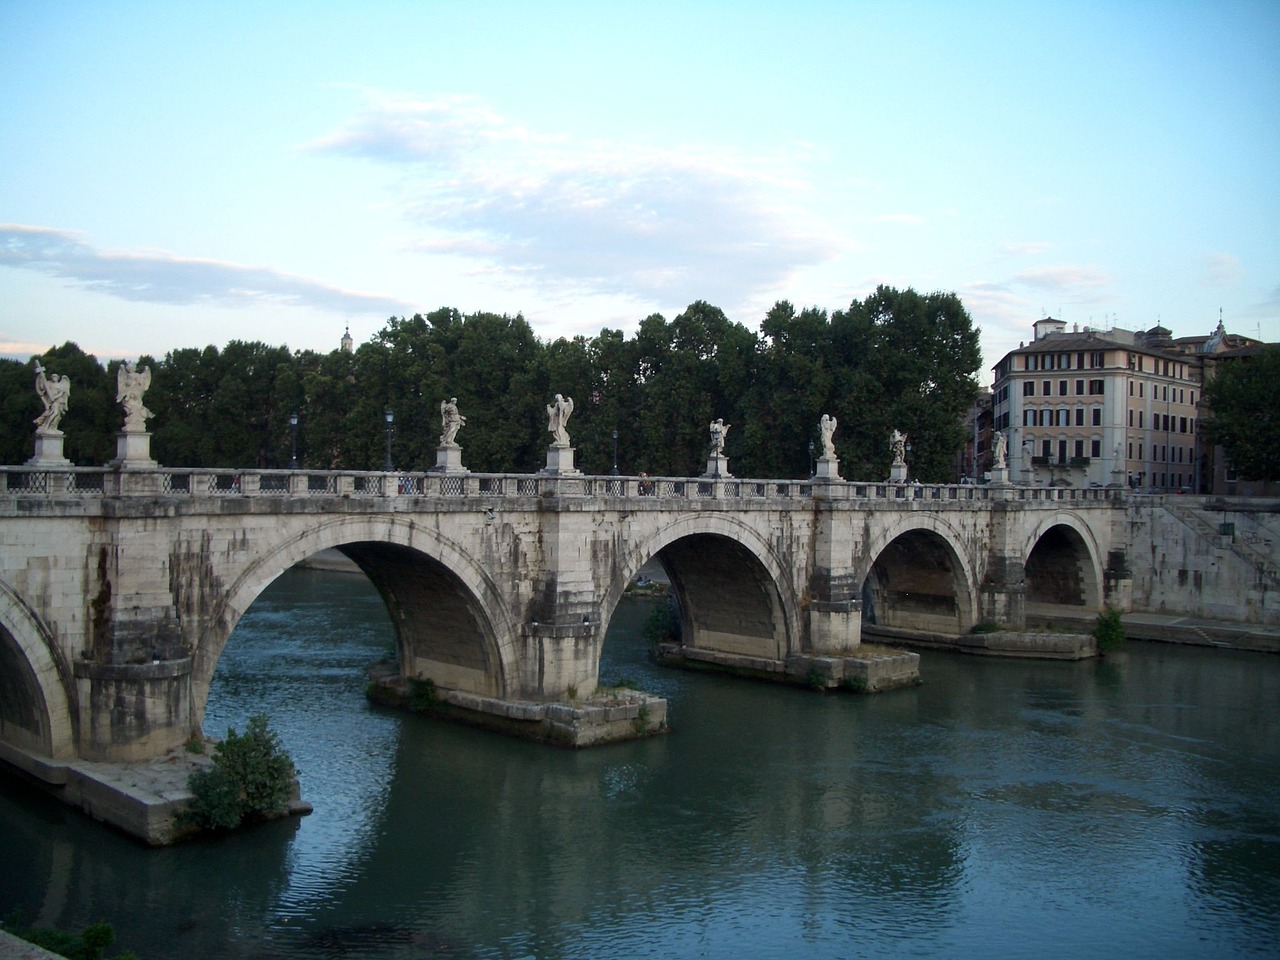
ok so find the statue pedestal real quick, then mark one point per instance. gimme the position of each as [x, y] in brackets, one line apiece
[999, 477]
[449, 459]
[48, 450]
[898, 473]
[718, 466]
[560, 461]
[828, 469]
[133, 451]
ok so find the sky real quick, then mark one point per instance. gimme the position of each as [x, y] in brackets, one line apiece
[181, 174]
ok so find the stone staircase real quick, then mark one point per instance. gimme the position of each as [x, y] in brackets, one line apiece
[1257, 548]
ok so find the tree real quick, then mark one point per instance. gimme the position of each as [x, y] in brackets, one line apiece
[1243, 401]
[904, 361]
[789, 392]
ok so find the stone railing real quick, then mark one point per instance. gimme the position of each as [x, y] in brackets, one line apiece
[85, 482]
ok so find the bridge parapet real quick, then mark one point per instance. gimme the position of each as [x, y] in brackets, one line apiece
[96, 482]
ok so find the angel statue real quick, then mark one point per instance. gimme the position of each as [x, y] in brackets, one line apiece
[131, 384]
[451, 420]
[557, 416]
[54, 390]
[719, 429]
[827, 429]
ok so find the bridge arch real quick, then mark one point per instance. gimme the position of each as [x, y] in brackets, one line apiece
[36, 692]
[735, 592]
[917, 575]
[1062, 566]
[450, 619]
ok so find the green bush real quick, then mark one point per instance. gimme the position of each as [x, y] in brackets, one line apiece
[1109, 631]
[662, 624]
[89, 944]
[251, 777]
[217, 801]
[423, 695]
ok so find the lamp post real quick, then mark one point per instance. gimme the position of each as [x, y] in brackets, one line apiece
[813, 467]
[390, 420]
[615, 453]
[293, 441]
[908, 457]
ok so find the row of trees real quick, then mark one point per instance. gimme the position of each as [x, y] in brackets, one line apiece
[897, 359]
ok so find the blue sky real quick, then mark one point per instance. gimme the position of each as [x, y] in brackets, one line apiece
[179, 174]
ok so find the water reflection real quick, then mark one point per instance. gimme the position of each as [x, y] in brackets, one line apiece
[1003, 808]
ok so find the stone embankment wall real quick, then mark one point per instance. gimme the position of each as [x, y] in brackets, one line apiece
[1217, 559]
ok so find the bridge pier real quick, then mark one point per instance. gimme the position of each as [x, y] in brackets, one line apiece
[834, 611]
[134, 674]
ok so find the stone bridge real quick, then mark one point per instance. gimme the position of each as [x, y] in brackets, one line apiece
[120, 588]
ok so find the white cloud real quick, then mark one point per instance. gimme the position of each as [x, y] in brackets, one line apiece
[1220, 269]
[1077, 284]
[908, 219]
[596, 218]
[163, 278]
[1027, 248]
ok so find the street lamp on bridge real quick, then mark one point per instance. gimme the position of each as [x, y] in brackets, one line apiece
[615, 452]
[293, 441]
[390, 419]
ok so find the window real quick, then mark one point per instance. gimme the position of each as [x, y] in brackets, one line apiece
[1139, 419]
[1062, 451]
[1139, 449]
[1062, 388]
[1131, 418]
[1079, 361]
[1028, 388]
[1141, 388]
[1131, 388]
[1193, 398]
[1097, 416]
[1046, 449]
[1079, 388]
[1099, 359]
[1130, 449]
[1095, 448]
[1096, 387]
[1079, 448]
[1048, 389]
[1079, 416]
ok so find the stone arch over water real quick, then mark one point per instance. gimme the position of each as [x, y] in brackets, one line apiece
[735, 593]
[1062, 566]
[36, 694]
[917, 577]
[449, 617]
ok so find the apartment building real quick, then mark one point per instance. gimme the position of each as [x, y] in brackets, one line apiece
[1092, 407]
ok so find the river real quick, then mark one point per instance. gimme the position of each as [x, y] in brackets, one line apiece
[1002, 809]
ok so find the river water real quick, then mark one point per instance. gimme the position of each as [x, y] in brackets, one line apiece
[1002, 809]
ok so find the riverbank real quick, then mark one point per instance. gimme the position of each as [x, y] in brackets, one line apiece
[1189, 631]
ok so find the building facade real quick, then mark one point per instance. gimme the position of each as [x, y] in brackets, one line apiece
[1099, 408]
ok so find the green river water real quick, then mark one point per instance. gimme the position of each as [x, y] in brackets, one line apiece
[1002, 809]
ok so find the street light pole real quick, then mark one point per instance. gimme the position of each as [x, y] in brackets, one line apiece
[813, 467]
[615, 453]
[293, 442]
[390, 419]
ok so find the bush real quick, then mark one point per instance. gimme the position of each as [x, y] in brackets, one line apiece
[251, 777]
[1109, 631]
[663, 624]
[89, 944]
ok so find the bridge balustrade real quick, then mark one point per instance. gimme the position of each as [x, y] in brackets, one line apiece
[185, 482]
